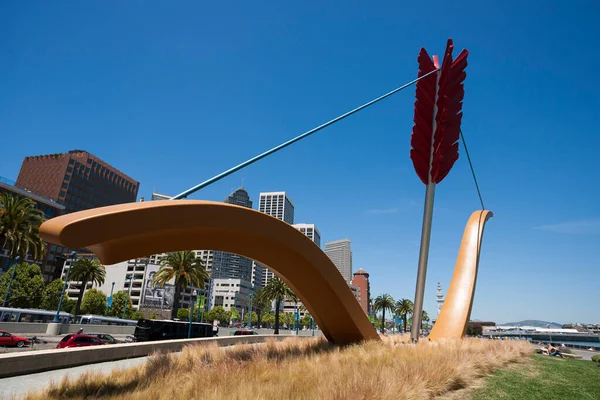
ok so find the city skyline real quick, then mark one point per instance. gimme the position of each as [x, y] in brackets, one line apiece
[245, 81]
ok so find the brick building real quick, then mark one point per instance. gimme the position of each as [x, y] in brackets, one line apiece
[361, 280]
[77, 179]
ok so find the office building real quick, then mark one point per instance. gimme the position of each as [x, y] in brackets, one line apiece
[311, 231]
[158, 196]
[229, 293]
[361, 281]
[229, 265]
[339, 252]
[77, 179]
[55, 256]
[257, 275]
[278, 205]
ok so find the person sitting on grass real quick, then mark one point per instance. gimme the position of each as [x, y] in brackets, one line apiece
[554, 351]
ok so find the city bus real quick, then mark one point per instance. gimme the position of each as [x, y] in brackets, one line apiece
[9, 314]
[90, 319]
[153, 329]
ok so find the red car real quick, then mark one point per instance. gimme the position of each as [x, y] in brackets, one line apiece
[78, 340]
[7, 339]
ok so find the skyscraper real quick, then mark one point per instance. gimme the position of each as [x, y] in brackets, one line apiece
[77, 179]
[229, 265]
[311, 231]
[278, 205]
[339, 252]
[361, 280]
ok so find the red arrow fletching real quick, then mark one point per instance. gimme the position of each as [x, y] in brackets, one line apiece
[448, 118]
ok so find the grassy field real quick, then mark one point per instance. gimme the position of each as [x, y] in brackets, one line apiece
[302, 369]
[544, 378]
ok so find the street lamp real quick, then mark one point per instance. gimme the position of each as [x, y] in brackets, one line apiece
[130, 277]
[202, 305]
[249, 326]
[194, 293]
[57, 316]
[11, 280]
[110, 299]
[296, 316]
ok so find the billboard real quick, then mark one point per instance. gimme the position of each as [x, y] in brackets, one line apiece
[155, 296]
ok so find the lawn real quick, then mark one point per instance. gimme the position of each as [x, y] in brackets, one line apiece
[545, 378]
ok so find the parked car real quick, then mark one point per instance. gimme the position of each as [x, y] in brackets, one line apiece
[105, 338]
[78, 340]
[130, 339]
[8, 339]
[244, 332]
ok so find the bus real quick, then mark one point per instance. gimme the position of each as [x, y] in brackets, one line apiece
[9, 314]
[153, 329]
[90, 319]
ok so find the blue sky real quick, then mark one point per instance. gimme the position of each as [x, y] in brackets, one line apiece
[174, 94]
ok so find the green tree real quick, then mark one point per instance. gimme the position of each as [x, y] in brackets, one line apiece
[254, 317]
[68, 305]
[183, 267]
[261, 303]
[27, 286]
[277, 290]
[218, 313]
[94, 302]
[424, 318]
[20, 221]
[183, 314]
[118, 303]
[402, 308]
[137, 314]
[382, 303]
[51, 296]
[268, 319]
[153, 316]
[305, 321]
[87, 270]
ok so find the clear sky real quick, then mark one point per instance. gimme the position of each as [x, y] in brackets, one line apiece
[173, 93]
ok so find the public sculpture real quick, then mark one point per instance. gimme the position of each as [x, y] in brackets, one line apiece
[126, 231]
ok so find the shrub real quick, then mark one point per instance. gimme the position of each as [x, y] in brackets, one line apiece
[596, 358]
[183, 314]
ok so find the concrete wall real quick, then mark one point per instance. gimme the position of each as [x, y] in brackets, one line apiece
[23, 327]
[32, 328]
[14, 364]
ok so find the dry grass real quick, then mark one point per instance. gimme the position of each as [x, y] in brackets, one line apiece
[301, 369]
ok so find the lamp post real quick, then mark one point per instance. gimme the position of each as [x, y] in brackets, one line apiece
[203, 304]
[130, 277]
[110, 297]
[194, 293]
[312, 325]
[296, 316]
[57, 316]
[11, 280]
[249, 325]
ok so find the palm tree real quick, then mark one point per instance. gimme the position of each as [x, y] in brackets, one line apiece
[277, 290]
[19, 225]
[424, 318]
[261, 303]
[403, 308]
[185, 268]
[87, 270]
[383, 302]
